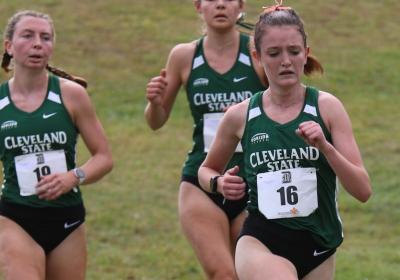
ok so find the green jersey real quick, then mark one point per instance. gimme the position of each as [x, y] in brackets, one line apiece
[36, 144]
[290, 182]
[209, 92]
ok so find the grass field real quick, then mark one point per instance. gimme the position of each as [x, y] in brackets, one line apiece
[133, 229]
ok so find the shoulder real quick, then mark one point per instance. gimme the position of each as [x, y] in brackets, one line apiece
[183, 51]
[326, 100]
[331, 108]
[234, 120]
[235, 116]
[71, 89]
[75, 97]
[180, 60]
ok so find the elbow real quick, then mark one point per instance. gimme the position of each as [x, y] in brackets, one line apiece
[154, 124]
[365, 195]
[109, 165]
[365, 190]
[154, 127]
[155, 121]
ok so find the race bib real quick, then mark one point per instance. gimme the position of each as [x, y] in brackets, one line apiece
[287, 193]
[31, 167]
[211, 122]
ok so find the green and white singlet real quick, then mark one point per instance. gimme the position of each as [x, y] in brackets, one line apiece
[36, 144]
[209, 92]
[290, 182]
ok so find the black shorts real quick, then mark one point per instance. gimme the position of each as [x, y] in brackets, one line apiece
[48, 226]
[297, 246]
[232, 208]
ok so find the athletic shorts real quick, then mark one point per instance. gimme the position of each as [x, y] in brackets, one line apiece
[297, 246]
[48, 226]
[232, 208]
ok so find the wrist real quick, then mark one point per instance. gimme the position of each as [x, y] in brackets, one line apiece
[79, 174]
[214, 183]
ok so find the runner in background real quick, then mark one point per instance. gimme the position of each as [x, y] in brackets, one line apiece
[217, 71]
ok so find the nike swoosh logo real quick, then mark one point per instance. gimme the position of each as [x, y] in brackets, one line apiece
[48, 116]
[235, 80]
[316, 253]
[66, 225]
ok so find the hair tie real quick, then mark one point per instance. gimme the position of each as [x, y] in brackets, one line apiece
[277, 7]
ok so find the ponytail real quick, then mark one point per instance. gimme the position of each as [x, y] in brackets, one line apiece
[312, 66]
[63, 74]
[5, 62]
[242, 23]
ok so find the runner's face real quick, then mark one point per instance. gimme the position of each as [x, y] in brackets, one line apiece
[283, 55]
[32, 42]
[220, 14]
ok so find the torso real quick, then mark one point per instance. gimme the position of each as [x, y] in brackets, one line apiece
[273, 148]
[209, 92]
[34, 143]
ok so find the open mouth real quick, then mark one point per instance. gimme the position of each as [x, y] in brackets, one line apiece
[35, 56]
[286, 72]
[220, 16]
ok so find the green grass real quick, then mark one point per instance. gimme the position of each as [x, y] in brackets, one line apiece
[133, 229]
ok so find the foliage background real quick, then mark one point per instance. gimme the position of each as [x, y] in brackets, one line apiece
[133, 229]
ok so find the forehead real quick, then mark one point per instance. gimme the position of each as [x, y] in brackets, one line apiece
[285, 35]
[33, 23]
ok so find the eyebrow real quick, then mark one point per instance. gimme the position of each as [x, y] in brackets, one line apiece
[33, 31]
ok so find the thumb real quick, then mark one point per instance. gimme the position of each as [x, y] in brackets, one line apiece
[163, 73]
[233, 171]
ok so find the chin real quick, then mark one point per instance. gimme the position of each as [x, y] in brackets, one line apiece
[222, 25]
[288, 82]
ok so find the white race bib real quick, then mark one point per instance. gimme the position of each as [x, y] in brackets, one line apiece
[210, 126]
[31, 167]
[287, 193]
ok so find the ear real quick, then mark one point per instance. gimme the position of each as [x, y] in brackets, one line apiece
[256, 57]
[7, 47]
[241, 5]
[307, 53]
[197, 5]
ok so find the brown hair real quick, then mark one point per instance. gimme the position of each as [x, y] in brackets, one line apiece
[9, 34]
[280, 16]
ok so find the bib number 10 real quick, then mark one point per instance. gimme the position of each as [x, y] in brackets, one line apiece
[288, 195]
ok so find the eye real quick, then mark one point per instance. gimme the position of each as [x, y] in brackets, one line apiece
[273, 53]
[26, 35]
[294, 51]
[46, 37]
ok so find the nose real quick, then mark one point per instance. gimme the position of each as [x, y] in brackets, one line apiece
[37, 41]
[220, 3]
[285, 60]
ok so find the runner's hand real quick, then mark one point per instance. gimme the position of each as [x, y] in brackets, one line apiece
[231, 185]
[52, 186]
[311, 132]
[156, 87]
